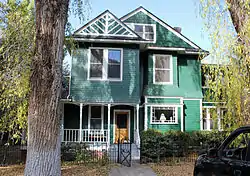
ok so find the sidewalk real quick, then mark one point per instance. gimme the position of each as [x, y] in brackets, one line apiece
[135, 170]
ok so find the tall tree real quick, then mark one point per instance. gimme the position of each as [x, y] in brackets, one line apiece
[228, 23]
[32, 53]
[43, 157]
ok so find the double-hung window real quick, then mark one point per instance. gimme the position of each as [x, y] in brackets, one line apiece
[105, 64]
[164, 115]
[163, 69]
[146, 31]
[96, 117]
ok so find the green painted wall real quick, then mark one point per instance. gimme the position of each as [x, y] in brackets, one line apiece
[164, 38]
[192, 115]
[164, 127]
[186, 78]
[84, 90]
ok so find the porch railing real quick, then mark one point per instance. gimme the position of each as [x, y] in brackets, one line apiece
[87, 135]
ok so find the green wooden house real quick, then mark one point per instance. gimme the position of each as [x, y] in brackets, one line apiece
[130, 74]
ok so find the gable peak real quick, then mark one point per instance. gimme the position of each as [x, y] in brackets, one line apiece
[106, 24]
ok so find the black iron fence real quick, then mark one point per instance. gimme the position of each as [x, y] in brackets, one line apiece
[12, 154]
[103, 154]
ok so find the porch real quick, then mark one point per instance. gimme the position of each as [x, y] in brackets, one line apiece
[100, 123]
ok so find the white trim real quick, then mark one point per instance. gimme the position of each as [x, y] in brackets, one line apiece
[165, 123]
[208, 119]
[105, 16]
[161, 23]
[105, 65]
[182, 115]
[102, 116]
[109, 124]
[213, 102]
[110, 40]
[179, 50]
[219, 119]
[80, 125]
[137, 116]
[161, 97]
[165, 105]
[165, 48]
[146, 118]
[170, 70]
[201, 115]
[62, 121]
[195, 99]
[114, 120]
[142, 24]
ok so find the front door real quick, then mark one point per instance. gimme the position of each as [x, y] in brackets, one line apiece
[121, 126]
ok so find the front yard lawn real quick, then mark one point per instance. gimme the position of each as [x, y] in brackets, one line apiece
[67, 170]
[175, 169]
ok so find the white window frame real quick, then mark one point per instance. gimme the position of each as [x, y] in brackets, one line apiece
[164, 106]
[105, 65]
[171, 69]
[132, 26]
[102, 117]
[208, 118]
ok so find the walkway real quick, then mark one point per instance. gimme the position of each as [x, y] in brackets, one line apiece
[134, 170]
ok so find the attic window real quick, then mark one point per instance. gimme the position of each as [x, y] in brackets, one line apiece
[146, 31]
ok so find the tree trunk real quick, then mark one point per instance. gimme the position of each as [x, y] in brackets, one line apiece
[43, 155]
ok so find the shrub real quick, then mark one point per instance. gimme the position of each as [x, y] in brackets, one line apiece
[80, 152]
[157, 146]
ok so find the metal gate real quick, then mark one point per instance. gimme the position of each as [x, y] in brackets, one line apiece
[124, 152]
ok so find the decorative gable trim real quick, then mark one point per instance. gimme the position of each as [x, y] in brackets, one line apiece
[108, 25]
[168, 27]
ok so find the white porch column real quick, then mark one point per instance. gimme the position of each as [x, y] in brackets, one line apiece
[208, 119]
[80, 126]
[219, 119]
[62, 122]
[146, 118]
[182, 114]
[137, 117]
[108, 125]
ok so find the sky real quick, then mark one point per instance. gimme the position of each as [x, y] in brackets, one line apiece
[177, 13]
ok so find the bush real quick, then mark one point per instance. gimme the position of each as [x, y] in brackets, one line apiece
[156, 146]
[80, 152]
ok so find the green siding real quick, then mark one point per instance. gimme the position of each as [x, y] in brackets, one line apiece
[192, 115]
[84, 90]
[164, 100]
[186, 78]
[164, 38]
[164, 127]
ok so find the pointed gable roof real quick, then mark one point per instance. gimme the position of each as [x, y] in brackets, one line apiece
[162, 23]
[106, 25]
